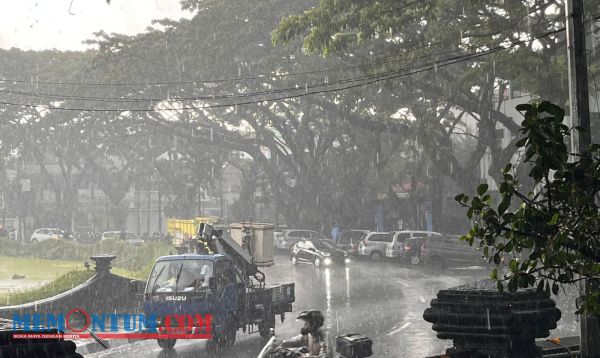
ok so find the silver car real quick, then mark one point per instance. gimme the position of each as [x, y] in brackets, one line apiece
[288, 238]
[374, 244]
[406, 245]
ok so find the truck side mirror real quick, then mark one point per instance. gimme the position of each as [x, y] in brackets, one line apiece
[212, 284]
[133, 286]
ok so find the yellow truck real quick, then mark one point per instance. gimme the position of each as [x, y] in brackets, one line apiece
[184, 231]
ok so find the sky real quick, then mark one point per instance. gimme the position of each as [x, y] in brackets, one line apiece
[64, 24]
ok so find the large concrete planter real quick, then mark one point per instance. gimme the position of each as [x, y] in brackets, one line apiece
[483, 322]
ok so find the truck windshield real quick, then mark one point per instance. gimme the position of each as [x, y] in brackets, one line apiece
[189, 275]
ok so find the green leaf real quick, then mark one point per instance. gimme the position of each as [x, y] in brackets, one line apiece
[521, 142]
[497, 259]
[523, 281]
[494, 275]
[553, 109]
[554, 219]
[555, 288]
[524, 107]
[470, 213]
[503, 205]
[481, 189]
[513, 284]
[507, 168]
[514, 265]
[540, 286]
[499, 286]
[459, 197]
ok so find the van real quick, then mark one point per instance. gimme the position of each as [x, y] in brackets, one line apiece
[406, 245]
[450, 250]
[374, 244]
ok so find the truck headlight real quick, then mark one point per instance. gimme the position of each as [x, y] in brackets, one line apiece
[327, 261]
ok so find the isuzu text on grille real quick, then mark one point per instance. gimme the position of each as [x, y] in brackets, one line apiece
[78, 323]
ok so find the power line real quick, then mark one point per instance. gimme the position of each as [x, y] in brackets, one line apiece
[219, 80]
[306, 87]
[378, 79]
[215, 97]
[370, 80]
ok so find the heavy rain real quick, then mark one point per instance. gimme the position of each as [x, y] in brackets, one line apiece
[277, 178]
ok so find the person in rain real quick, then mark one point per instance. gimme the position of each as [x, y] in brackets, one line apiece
[335, 233]
[311, 336]
[195, 278]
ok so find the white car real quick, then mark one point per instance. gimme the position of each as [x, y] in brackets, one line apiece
[40, 235]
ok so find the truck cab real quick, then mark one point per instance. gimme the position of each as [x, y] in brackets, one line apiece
[192, 284]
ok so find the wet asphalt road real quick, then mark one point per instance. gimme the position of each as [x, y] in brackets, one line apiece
[382, 300]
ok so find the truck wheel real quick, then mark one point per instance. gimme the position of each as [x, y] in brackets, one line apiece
[228, 339]
[264, 328]
[166, 343]
[415, 260]
[376, 255]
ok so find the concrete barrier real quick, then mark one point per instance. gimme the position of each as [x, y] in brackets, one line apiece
[104, 292]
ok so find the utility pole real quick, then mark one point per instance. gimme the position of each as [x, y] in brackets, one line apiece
[139, 210]
[578, 79]
[149, 211]
[580, 141]
[159, 212]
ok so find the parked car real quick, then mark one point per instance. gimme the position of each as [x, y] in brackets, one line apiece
[350, 239]
[318, 252]
[122, 235]
[450, 250]
[288, 238]
[44, 234]
[406, 245]
[374, 244]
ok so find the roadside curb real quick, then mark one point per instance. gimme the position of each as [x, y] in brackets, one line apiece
[90, 346]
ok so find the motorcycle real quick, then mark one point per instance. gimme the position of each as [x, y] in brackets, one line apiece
[273, 349]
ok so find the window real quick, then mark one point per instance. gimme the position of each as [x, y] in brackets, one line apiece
[323, 244]
[180, 276]
[401, 237]
[316, 235]
[381, 237]
[309, 245]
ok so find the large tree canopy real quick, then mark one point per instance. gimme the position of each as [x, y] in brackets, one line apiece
[511, 40]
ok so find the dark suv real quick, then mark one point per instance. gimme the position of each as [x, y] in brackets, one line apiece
[450, 250]
[350, 239]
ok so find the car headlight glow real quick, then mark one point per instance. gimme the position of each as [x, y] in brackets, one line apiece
[347, 261]
[327, 262]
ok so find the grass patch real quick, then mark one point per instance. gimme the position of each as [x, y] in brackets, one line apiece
[129, 257]
[62, 261]
[63, 283]
[36, 269]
